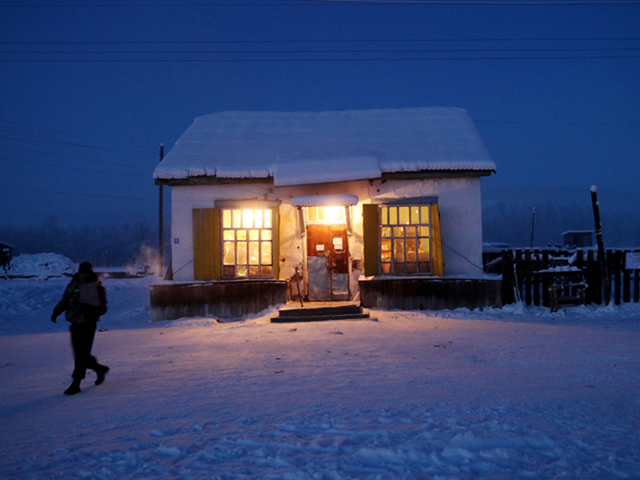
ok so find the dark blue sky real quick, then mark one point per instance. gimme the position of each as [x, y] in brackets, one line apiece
[88, 93]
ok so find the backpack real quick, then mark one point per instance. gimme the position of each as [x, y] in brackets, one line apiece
[89, 294]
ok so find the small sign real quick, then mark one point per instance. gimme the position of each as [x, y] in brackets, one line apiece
[176, 240]
[632, 262]
[319, 248]
[337, 243]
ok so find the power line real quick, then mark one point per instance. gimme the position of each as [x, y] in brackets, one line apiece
[76, 194]
[9, 126]
[32, 138]
[300, 60]
[183, 52]
[102, 162]
[344, 40]
[308, 3]
[10, 159]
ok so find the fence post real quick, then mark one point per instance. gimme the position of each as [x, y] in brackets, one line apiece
[525, 273]
[636, 286]
[507, 277]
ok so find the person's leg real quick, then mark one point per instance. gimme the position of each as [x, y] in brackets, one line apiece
[81, 340]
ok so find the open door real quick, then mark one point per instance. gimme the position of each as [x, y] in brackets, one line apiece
[328, 262]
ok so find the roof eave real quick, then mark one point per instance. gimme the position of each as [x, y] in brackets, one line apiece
[418, 175]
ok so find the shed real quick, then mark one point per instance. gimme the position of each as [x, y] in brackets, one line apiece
[343, 198]
[578, 238]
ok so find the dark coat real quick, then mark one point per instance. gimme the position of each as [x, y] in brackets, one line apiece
[76, 311]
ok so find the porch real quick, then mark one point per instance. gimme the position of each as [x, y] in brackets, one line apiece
[429, 293]
[221, 299]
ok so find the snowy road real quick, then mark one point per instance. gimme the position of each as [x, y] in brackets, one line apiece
[454, 395]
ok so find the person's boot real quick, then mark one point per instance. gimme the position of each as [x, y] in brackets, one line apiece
[101, 372]
[74, 387]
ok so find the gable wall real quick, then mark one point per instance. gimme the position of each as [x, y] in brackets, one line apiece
[458, 199]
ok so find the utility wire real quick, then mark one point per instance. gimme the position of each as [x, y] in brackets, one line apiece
[308, 3]
[40, 139]
[63, 155]
[77, 194]
[344, 40]
[10, 127]
[10, 159]
[312, 60]
[183, 52]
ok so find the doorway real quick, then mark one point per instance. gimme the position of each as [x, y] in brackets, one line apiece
[328, 263]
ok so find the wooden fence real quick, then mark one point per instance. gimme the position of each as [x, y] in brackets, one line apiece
[521, 274]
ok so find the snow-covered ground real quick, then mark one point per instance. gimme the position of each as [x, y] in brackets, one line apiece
[517, 393]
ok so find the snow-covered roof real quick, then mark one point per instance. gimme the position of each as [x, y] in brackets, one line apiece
[317, 147]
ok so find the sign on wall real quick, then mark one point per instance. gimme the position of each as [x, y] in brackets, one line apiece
[632, 261]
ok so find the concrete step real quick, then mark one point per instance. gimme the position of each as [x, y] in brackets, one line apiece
[320, 314]
[311, 311]
[320, 318]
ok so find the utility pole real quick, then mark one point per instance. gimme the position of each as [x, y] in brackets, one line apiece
[606, 282]
[160, 224]
[533, 224]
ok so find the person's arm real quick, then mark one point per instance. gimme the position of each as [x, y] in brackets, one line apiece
[64, 303]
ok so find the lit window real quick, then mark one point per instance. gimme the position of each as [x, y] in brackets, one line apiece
[405, 239]
[247, 243]
[326, 215]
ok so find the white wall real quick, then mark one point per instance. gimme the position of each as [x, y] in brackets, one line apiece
[458, 200]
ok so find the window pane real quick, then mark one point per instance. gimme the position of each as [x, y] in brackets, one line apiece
[226, 218]
[229, 271]
[398, 267]
[267, 218]
[404, 215]
[424, 267]
[258, 218]
[398, 232]
[247, 218]
[266, 253]
[412, 267]
[385, 247]
[312, 214]
[386, 268]
[423, 250]
[229, 235]
[424, 213]
[242, 270]
[410, 231]
[229, 255]
[237, 218]
[242, 234]
[393, 215]
[266, 234]
[242, 253]
[423, 231]
[384, 216]
[254, 271]
[266, 271]
[398, 250]
[254, 253]
[411, 249]
[386, 232]
[254, 234]
[415, 215]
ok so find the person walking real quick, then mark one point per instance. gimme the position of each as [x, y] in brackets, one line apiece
[84, 301]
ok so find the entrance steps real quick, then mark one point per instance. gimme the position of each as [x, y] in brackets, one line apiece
[320, 312]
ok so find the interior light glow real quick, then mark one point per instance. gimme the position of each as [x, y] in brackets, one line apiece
[333, 214]
[247, 218]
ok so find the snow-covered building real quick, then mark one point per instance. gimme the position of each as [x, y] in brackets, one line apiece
[337, 201]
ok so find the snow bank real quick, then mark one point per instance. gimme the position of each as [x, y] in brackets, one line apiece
[42, 265]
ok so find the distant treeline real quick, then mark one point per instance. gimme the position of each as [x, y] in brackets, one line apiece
[512, 225]
[103, 245]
